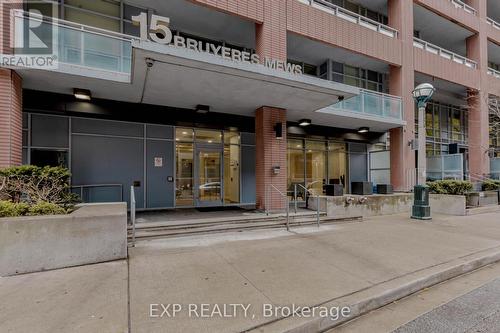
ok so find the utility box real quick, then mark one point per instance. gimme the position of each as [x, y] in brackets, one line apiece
[421, 209]
[384, 189]
[362, 188]
[334, 190]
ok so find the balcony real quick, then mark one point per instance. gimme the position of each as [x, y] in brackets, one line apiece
[378, 111]
[83, 50]
[493, 23]
[431, 48]
[494, 73]
[464, 6]
[352, 17]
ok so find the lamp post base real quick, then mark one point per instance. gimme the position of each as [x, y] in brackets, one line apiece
[421, 212]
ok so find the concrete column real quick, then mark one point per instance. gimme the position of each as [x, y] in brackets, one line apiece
[401, 83]
[477, 50]
[270, 152]
[10, 118]
[270, 36]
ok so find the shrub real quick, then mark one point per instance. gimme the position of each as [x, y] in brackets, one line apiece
[8, 208]
[454, 187]
[491, 185]
[46, 208]
[35, 184]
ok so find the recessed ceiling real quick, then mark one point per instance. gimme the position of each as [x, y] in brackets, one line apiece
[379, 6]
[316, 53]
[440, 31]
[446, 92]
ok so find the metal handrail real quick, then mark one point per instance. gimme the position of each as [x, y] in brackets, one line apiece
[353, 17]
[81, 187]
[132, 212]
[494, 73]
[464, 6]
[310, 194]
[432, 48]
[284, 195]
[493, 23]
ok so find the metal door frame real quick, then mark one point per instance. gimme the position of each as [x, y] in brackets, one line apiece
[211, 148]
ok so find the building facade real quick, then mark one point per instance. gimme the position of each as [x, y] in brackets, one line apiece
[202, 103]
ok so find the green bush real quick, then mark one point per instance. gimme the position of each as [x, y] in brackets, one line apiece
[8, 208]
[46, 208]
[34, 184]
[491, 185]
[454, 187]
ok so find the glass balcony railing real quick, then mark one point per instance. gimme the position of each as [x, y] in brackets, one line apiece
[434, 49]
[81, 45]
[352, 17]
[493, 23]
[494, 73]
[374, 104]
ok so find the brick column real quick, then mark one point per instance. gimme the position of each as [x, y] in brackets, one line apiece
[270, 152]
[401, 83]
[270, 36]
[477, 50]
[10, 118]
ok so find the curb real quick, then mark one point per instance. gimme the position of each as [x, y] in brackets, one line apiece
[384, 296]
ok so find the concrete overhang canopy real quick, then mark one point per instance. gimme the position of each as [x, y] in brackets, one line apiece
[185, 78]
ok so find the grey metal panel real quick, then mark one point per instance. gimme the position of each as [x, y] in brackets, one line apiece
[358, 162]
[25, 120]
[160, 192]
[160, 132]
[49, 131]
[248, 174]
[106, 127]
[104, 160]
[247, 138]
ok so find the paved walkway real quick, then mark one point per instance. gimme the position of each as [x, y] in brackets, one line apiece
[305, 267]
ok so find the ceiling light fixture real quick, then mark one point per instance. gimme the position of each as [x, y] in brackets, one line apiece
[82, 94]
[363, 130]
[203, 109]
[304, 122]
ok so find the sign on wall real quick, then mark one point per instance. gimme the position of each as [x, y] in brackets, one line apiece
[158, 31]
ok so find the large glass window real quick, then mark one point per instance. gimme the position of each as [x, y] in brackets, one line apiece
[232, 169]
[316, 166]
[295, 166]
[337, 164]
[184, 174]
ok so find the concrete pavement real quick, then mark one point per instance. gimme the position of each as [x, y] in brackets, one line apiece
[350, 264]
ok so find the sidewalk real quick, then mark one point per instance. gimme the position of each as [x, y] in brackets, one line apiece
[339, 265]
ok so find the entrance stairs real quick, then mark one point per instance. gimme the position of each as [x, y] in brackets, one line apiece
[171, 229]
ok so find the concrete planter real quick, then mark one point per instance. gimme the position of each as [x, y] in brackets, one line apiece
[448, 204]
[481, 199]
[91, 234]
[372, 205]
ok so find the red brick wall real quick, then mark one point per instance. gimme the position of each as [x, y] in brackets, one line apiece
[270, 36]
[10, 118]
[5, 24]
[270, 152]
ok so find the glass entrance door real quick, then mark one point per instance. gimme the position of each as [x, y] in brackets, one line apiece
[208, 173]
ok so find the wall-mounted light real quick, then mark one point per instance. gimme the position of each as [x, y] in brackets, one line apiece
[363, 130]
[82, 94]
[304, 122]
[203, 109]
[278, 130]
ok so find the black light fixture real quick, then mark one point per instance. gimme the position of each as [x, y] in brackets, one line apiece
[363, 130]
[82, 94]
[203, 109]
[304, 122]
[278, 129]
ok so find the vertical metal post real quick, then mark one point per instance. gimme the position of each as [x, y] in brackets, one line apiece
[287, 214]
[317, 210]
[266, 200]
[295, 198]
[422, 162]
[132, 213]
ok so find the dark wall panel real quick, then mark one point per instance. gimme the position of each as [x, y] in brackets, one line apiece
[247, 174]
[107, 160]
[160, 192]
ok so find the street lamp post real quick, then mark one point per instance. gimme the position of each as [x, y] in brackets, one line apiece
[421, 209]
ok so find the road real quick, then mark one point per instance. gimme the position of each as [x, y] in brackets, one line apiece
[467, 304]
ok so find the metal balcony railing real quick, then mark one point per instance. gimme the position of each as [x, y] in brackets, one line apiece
[464, 6]
[82, 45]
[434, 49]
[352, 17]
[494, 72]
[493, 23]
[374, 104]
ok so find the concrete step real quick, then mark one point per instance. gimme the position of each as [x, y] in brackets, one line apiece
[200, 229]
[217, 221]
[483, 210]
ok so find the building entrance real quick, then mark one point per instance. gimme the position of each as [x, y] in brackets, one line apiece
[208, 180]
